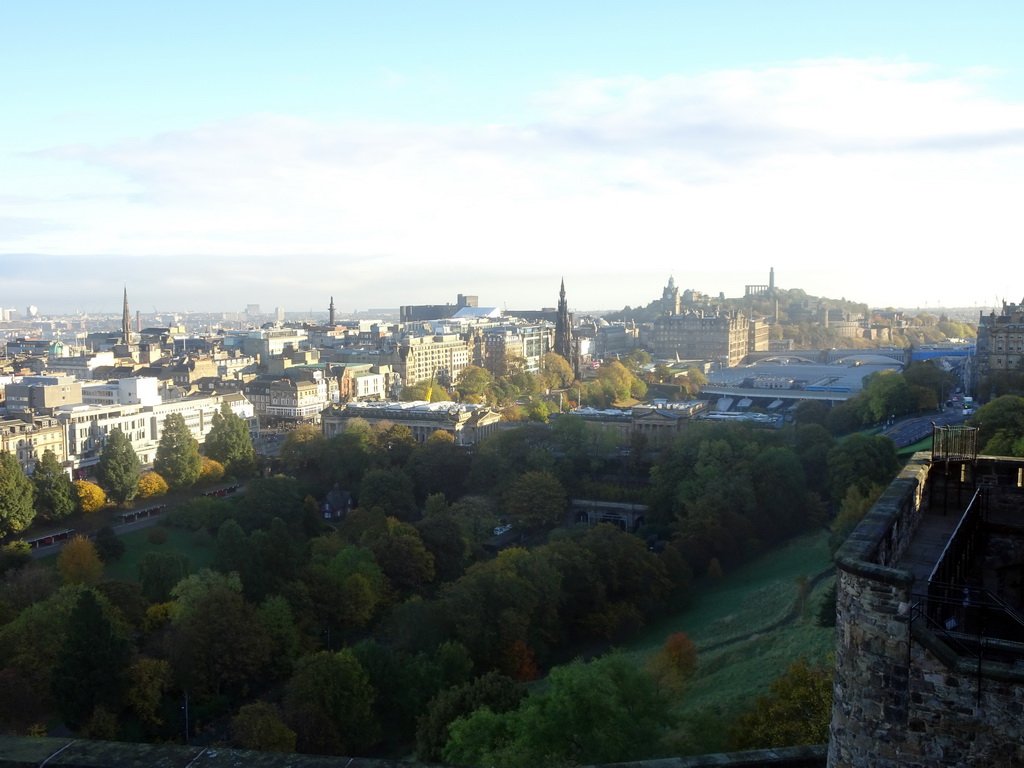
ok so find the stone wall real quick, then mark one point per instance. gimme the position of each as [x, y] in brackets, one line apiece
[18, 752]
[901, 696]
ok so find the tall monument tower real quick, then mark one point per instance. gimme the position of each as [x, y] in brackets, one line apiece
[126, 322]
[330, 311]
[565, 345]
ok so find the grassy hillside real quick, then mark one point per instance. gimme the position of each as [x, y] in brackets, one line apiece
[749, 626]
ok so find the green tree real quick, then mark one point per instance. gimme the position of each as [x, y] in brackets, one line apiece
[861, 461]
[329, 703]
[108, 545]
[159, 572]
[494, 691]
[229, 443]
[55, 496]
[1003, 418]
[797, 711]
[302, 448]
[605, 711]
[177, 456]
[391, 490]
[474, 383]
[119, 468]
[260, 726]
[220, 646]
[16, 496]
[535, 500]
[92, 664]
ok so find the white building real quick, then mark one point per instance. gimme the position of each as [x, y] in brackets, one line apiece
[86, 426]
[138, 390]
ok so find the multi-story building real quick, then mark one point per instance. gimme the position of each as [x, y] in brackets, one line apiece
[1001, 340]
[288, 399]
[441, 357]
[41, 394]
[79, 366]
[28, 438]
[497, 345]
[86, 426]
[725, 337]
[135, 390]
[466, 423]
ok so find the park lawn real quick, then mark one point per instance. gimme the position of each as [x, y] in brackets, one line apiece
[198, 549]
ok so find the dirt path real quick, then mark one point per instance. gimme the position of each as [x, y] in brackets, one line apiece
[791, 616]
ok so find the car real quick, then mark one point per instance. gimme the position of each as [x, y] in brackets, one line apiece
[501, 529]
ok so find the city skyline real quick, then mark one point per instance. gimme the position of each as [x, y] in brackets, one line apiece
[212, 157]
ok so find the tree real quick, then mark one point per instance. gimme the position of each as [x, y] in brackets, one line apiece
[261, 726]
[91, 497]
[177, 456]
[79, 562]
[391, 490]
[555, 371]
[229, 443]
[159, 572]
[675, 663]
[16, 492]
[302, 448]
[602, 712]
[473, 384]
[210, 472]
[493, 690]
[151, 485]
[1002, 418]
[148, 680]
[108, 544]
[862, 461]
[329, 703]
[219, 646]
[119, 468]
[535, 500]
[55, 495]
[91, 666]
[797, 711]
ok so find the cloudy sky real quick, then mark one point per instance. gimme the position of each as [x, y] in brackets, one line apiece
[215, 154]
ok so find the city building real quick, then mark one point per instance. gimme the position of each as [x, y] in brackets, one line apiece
[28, 438]
[41, 394]
[466, 423]
[1000, 340]
[725, 337]
[440, 358]
[417, 313]
[85, 427]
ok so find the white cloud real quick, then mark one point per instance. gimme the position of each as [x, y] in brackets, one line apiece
[846, 162]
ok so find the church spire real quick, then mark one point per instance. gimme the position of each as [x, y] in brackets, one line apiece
[126, 321]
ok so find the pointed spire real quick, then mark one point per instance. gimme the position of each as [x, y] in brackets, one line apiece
[126, 321]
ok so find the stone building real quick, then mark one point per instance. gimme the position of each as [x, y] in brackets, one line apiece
[28, 438]
[440, 358]
[930, 617]
[494, 346]
[1000, 340]
[466, 423]
[725, 337]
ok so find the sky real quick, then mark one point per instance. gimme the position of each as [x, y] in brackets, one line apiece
[210, 155]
